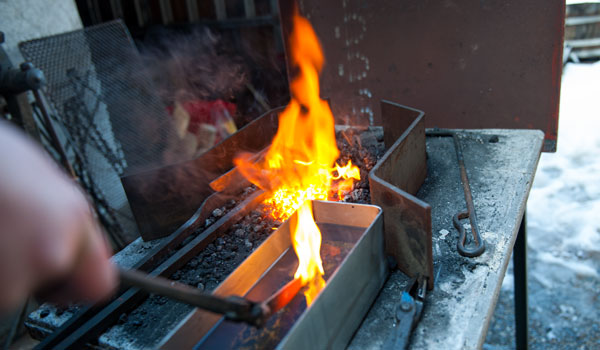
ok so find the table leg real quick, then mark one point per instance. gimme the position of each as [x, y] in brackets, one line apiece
[520, 275]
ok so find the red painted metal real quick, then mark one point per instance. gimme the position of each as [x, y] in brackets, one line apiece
[470, 64]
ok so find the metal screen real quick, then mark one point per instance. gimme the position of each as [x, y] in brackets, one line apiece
[106, 110]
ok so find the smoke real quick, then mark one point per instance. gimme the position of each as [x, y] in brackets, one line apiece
[196, 65]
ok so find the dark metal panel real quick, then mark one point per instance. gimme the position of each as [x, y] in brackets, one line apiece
[394, 181]
[470, 64]
[164, 198]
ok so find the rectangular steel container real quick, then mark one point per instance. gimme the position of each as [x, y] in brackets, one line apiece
[335, 314]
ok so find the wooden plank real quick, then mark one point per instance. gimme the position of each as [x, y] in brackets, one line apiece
[576, 21]
[583, 43]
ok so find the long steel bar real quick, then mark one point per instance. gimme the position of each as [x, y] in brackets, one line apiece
[93, 319]
[520, 275]
[234, 308]
[479, 246]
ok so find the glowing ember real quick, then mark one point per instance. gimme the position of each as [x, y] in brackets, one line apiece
[300, 163]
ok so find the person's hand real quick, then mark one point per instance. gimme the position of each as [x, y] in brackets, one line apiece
[47, 232]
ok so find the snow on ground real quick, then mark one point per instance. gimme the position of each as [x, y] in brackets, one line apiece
[563, 226]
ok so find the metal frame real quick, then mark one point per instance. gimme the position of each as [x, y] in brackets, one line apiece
[520, 279]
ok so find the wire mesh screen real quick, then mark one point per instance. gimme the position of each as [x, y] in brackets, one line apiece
[113, 123]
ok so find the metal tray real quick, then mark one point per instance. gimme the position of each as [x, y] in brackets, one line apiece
[332, 318]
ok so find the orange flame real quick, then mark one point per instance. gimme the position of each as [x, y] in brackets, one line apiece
[299, 165]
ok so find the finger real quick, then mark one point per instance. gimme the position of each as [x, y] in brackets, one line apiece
[94, 277]
[15, 279]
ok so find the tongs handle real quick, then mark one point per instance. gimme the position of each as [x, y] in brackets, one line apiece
[234, 308]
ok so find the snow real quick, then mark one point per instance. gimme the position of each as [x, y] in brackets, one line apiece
[564, 204]
[563, 228]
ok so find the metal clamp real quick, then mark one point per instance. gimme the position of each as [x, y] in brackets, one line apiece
[408, 313]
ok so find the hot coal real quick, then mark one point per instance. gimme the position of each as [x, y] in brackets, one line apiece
[147, 324]
[364, 147]
[228, 251]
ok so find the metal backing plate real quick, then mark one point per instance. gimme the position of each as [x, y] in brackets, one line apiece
[394, 181]
[469, 64]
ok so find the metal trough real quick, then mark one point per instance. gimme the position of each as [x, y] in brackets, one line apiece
[355, 270]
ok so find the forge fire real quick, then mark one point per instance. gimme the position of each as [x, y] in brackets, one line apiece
[299, 165]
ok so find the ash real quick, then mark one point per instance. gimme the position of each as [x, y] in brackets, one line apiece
[563, 231]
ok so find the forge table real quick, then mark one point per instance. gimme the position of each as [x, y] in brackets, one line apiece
[501, 165]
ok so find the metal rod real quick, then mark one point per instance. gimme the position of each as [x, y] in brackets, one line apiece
[520, 276]
[282, 297]
[479, 247]
[55, 140]
[235, 308]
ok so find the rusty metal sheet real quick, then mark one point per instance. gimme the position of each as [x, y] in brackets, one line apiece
[469, 64]
[332, 318]
[164, 198]
[394, 181]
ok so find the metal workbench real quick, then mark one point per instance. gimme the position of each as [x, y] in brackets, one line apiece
[501, 165]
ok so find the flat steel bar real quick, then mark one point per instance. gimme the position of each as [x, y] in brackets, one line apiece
[520, 276]
[394, 182]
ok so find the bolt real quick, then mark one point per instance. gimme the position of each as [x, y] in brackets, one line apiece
[405, 306]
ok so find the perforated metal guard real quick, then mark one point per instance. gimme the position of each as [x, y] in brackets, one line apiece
[112, 121]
